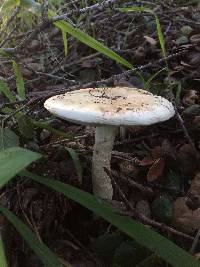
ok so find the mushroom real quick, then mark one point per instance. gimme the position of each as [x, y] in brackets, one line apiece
[107, 109]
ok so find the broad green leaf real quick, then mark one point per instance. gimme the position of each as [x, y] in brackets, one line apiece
[8, 138]
[3, 261]
[77, 162]
[44, 253]
[13, 160]
[4, 88]
[145, 236]
[19, 80]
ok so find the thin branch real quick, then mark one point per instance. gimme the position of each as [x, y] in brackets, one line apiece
[44, 24]
[109, 80]
[134, 213]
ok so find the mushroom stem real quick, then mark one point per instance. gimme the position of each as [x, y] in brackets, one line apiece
[104, 140]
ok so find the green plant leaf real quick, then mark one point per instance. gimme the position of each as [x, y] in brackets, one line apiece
[19, 80]
[148, 82]
[3, 261]
[4, 88]
[44, 253]
[145, 236]
[76, 161]
[160, 36]
[8, 138]
[13, 160]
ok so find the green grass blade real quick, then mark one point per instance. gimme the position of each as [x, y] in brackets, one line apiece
[148, 82]
[13, 160]
[3, 261]
[65, 42]
[158, 26]
[90, 41]
[136, 8]
[19, 80]
[145, 236]
[8, 5]
[160, 36]
[43, 252]
[4, 88]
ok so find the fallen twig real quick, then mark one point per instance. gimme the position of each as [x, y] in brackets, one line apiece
[132, 212]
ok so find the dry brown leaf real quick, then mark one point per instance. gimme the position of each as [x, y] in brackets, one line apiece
[122, 82]
[150, 40]
[185, 219]
[194, 58]
[143, 208]
[190, 97]
[188, 160]
[34, 45]
[147, 161]
[128, 168]
[197, 255]
[156, 170]
[194, 39]
[196, 122]
[195, 186]
[157, 152]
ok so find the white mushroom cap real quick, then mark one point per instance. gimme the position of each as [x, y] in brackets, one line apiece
[111, 106]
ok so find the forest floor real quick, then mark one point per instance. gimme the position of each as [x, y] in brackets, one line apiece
[156, 167]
